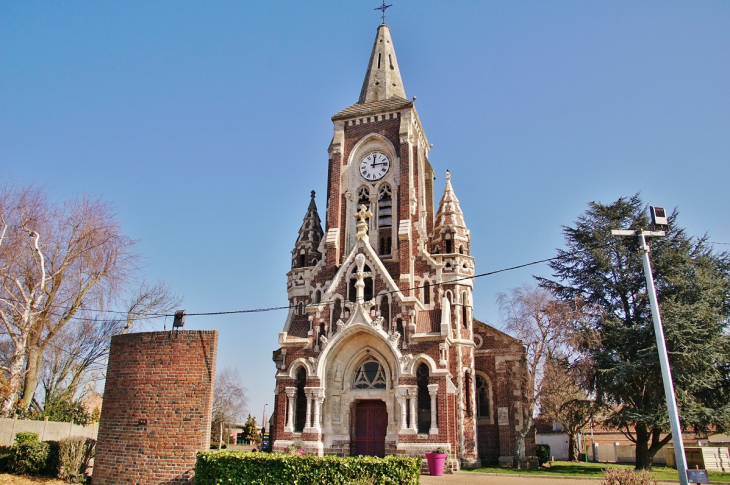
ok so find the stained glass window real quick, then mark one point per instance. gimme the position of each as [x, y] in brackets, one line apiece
[370, 375]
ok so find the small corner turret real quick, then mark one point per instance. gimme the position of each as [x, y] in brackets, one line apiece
[306, 249]
[450, 235]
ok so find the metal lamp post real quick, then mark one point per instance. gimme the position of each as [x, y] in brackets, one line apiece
[659, 218]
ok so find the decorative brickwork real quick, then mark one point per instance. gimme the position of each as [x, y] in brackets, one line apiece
[157, 408]
[393, 288]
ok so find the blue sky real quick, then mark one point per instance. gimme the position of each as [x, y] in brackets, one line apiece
[207, 124]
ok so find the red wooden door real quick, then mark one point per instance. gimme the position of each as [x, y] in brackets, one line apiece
[370, 425]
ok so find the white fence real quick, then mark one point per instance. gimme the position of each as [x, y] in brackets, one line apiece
[46, 430]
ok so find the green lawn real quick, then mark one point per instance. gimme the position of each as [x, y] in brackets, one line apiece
[595, 470]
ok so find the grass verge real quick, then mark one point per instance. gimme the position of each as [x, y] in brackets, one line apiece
[591, 470]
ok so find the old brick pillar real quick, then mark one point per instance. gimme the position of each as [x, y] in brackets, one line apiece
[157, 407]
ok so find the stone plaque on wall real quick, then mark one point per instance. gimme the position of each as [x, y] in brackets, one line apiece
[503, 416]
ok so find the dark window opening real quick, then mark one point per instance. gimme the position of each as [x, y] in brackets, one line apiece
[385, 312]
[426, 294]
[464, 311]
[385, 246]
[301, 401]
[482, 397]
[467, 385]
[448, 246]
[461, 249]
[379, 60]
[424, 399]
[336, 312]
[302, 260]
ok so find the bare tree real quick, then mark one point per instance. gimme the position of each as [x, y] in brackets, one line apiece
[55, 260]
[75, 360]
[543, 324]
[566, 401]
[229, 399]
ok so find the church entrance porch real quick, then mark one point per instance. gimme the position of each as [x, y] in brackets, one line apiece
[369, 425]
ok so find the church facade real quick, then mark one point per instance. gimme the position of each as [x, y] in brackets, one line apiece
[380, 352]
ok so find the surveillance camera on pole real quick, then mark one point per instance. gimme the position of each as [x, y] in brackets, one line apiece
[659, 220]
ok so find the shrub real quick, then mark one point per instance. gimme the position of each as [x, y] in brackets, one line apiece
[440, 450]
[270, 469]
[543, 453]
[28, 456]
[74, 455]
[627, 476]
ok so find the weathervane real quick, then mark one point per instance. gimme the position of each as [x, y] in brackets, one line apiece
[383, 7]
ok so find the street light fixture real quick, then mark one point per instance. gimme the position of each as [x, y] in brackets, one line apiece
[659, 218]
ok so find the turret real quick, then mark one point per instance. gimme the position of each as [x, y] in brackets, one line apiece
[450, 235]
[305, 252]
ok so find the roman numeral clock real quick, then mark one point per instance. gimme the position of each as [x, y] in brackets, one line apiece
[374, 166]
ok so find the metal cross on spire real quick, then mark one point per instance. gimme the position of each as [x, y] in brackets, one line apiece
[383, 7]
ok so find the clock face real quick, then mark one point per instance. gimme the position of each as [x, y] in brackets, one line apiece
[374, 166]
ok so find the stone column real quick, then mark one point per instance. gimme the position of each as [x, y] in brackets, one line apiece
[308, 420]
[433, 392]
[414, 418]
[318, 397]
[403, 417]
[290, 393]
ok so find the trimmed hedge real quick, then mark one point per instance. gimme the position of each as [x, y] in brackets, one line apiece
[219, 467]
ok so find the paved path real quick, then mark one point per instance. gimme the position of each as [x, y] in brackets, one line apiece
[470, 478]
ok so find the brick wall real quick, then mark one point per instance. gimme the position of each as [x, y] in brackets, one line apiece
[157, 407]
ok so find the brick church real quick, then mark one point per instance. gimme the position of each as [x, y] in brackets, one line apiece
[380, 352]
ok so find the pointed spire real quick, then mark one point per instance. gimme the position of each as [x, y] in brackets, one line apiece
[450, 233]
[305, 251]
[449, 213]
[382, 79]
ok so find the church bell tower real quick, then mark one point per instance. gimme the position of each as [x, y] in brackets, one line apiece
[380, 326]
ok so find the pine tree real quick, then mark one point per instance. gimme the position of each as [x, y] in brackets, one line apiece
[693, 288]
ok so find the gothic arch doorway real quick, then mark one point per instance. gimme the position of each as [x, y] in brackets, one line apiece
[369, 424]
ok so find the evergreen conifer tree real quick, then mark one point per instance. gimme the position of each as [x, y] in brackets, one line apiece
[693, 289]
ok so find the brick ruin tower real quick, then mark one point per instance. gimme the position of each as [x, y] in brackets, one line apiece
[158, 399]
[380, 352]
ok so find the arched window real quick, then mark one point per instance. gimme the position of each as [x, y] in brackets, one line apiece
[336, 313]
[448, 246]
[300, 308]
[424, 399]
[300, 407]
[426, 293]
[322, 330]
[400, 329]
[302, 260]
[461, 249]
[464, 311]
[483, 406]
[369, 375]
[316, 297]
[351, 290]
[368, 290]
[385, 312]
[363, 197]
